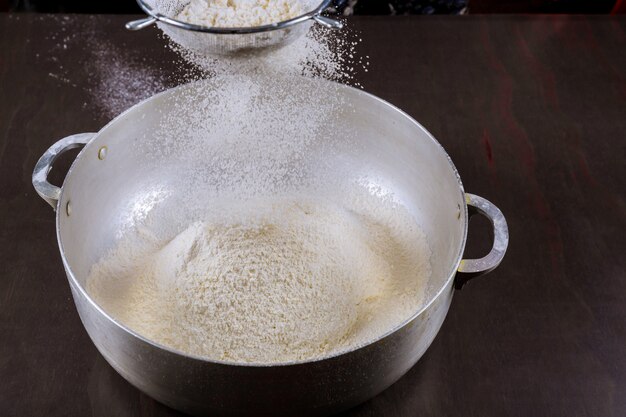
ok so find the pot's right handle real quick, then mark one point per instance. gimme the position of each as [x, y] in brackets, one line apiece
[471, 268]
[51, 193]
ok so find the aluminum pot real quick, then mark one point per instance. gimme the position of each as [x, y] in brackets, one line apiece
[102, 193]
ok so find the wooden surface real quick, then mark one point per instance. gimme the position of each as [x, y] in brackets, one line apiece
[532, 111]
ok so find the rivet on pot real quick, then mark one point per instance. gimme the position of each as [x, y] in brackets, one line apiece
[102, 153]
[458, 214]
[68, 208]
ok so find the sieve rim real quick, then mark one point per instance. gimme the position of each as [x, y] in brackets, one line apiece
[233, 30]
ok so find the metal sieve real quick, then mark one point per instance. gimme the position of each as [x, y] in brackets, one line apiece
[228, 41]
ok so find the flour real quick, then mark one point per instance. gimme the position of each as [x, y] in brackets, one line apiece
[120, 79]
[271, 280]
[239, 13]
[260, 268]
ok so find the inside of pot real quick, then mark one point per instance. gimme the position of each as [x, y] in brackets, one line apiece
[182, 153]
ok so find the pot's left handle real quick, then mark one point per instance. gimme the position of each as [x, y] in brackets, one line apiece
[52, 193]
[471, 268]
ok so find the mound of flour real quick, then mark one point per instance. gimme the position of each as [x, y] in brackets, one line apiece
[271, 280]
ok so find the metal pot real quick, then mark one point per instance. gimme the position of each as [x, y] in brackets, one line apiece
[100, 195]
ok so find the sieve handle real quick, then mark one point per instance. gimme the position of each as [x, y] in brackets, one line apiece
[140, 24]
[51, 193]
[328, 22]
[471, 268]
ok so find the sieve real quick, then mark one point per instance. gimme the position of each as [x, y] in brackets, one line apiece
[226, 41]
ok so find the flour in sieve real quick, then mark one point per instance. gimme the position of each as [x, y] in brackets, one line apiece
[239, 13]
[272, 280]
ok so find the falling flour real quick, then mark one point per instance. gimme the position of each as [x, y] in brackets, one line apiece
[272, 280]
[278, 272]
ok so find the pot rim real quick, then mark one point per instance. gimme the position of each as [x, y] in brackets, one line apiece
[75, 283]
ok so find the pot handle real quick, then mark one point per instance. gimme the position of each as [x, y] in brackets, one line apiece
[471, 268]
[52, 193]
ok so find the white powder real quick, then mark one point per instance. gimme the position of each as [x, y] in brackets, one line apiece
[320, 52]
[265, 279]
[272, 280]
[120, 79]
[239, 13]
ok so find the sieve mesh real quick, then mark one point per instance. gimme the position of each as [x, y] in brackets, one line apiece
[171, 8]
[223, 41]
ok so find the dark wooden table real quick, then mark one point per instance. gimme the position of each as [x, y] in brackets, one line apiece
[531, 109]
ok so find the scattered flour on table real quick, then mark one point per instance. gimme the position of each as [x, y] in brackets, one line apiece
[120, 80]
[270, 280]
[112, 76]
